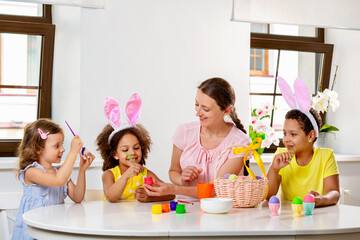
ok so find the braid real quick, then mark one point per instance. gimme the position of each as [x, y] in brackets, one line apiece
[236, 120]
[239, 125]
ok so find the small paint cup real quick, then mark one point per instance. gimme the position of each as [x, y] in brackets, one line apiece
[173, 205]
[180, 208]
[205, 190]
[156, 209]
[165, 207]
[148, 181]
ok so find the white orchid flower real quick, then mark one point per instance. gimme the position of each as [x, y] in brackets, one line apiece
[266, 143]
[335, 104]
[254, 120]
[261, 112]
[263, 126]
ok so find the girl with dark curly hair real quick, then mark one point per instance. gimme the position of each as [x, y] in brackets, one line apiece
[124, 149]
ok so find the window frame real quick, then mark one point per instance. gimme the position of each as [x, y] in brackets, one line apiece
[265, 57]
[294, 43]
[33, 26]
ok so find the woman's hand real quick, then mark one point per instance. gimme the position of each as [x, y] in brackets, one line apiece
[141, 195]
[133, 170]
[281, 160]
[189, 174]
[85, 161]
[159, 189]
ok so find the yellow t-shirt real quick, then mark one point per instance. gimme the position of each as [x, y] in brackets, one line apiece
[297, 181]
[132, 184]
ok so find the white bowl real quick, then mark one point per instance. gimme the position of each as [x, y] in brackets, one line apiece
[216, 205]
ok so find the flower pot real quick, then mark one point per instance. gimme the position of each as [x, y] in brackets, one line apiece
[321, 141]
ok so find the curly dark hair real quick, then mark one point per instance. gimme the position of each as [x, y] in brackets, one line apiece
[107, 150]
[32, 143]
[303, 120]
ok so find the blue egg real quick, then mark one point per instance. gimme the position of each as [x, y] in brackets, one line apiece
[258, 177]
[274, 199]
[227, 175]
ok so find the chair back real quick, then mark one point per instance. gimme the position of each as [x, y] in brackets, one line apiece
[9, 203]
[93, 195]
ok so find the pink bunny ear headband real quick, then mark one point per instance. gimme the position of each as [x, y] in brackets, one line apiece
[299, 100]
[132, 111]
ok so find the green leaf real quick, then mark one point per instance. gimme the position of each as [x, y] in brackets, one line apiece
[266, 116]
[328, 128]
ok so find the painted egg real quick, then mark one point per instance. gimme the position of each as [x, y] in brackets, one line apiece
[274, 199]
[297, 200]
[233, 177]
[309, 198]
[227, 175]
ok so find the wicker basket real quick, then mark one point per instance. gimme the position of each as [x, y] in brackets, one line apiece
[244, 193]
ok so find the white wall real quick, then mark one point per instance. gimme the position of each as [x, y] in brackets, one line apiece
[346, 118]
[161, 49]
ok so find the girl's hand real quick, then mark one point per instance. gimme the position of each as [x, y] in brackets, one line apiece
[159, 189]
[281, 160]
[76, 144]
[318, 197]
[133, 170]
[141, 195]
[86, 161]
[189, 174]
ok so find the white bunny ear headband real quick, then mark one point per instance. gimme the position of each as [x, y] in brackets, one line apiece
[299, 100]
[132, 111]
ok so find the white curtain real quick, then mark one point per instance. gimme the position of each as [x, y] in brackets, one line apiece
[78, 3]
[317, 13]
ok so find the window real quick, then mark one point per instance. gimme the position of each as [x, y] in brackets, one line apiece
[259, 58]
[26, 62]
[295, 55]
[259, 62]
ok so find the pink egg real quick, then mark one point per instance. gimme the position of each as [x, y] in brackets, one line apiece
[309, 198]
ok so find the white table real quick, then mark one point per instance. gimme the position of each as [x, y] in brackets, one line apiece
[104, 220]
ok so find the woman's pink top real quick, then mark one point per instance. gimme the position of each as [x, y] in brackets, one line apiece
[187, 139]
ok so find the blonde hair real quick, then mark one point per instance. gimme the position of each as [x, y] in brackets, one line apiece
[32, 143]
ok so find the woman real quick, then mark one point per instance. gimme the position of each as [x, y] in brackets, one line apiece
[197, 145]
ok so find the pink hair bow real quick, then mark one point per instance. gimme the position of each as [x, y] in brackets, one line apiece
[42, 134]
[300, 99]
[132, 111]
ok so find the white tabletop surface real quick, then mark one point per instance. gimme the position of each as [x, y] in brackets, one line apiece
[134, 219]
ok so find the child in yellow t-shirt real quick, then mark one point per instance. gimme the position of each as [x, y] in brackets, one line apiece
[300, 168]
[124, 148]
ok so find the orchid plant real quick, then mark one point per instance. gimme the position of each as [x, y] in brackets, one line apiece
[261, 128]
[323, 101]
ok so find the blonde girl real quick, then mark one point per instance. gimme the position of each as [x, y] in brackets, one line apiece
[45, 184]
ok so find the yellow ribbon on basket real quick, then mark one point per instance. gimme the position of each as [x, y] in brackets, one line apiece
[256, 143]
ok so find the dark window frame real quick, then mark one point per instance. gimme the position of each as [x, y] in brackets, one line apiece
[33, 26]
[295, 43]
